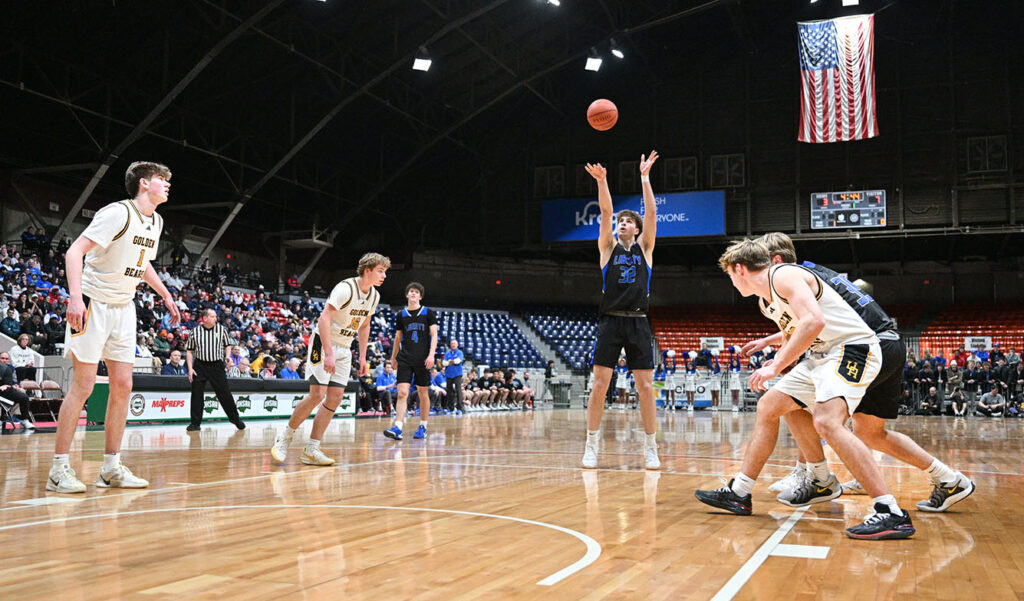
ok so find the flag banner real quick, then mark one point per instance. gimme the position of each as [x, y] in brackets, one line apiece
[837, 74]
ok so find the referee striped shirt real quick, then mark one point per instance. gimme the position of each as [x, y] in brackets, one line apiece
[208, 344]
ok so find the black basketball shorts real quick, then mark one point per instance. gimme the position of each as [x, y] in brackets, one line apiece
[615, 332]
[409, 373]
[882, 398]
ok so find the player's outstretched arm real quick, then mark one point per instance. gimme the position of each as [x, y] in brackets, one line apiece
[650, 230]
[605, 240]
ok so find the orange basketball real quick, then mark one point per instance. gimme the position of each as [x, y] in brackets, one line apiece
[602, 114]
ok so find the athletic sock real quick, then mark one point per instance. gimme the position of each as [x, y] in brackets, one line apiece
[288, 430]
[940, 473]
[313, 444]
[593, 436]
[110, 461]
[820, 470]
[61, 460]
[742, 484]
[890, 502]
[423, 423]
[650, 439]
[800, 466]
[398, 425]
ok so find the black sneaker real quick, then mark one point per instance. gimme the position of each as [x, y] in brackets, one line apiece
[192, 428]
[725, 498]
[810, 491]
[882, 525]
[239, 424]
[945, 496]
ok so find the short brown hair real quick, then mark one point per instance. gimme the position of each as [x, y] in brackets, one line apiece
[143, 170]
[752, 254]
[779, 245]
[415, 286]
[633, 215]
[371, 261]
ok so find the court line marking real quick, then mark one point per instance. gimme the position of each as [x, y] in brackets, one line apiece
[46, 501]
[574, 469]
[733, 586]
[593, 547]
[801, 551]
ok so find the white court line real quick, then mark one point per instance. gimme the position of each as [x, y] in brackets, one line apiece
[47, 501]
[593, 547]
[742, 575]
[571, 469]
[801, 551]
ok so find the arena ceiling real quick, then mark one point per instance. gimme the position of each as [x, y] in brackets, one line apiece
[284, 113]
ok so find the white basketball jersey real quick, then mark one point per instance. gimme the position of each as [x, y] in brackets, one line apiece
[353, 308]
[126, 241]
[842, 324]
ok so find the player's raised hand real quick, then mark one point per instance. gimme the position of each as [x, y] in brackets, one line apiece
[597, 171]
[646, 161]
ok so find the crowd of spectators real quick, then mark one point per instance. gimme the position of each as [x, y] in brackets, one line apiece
[989, 382]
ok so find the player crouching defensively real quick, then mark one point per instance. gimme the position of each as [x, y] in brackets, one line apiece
[347, 313]
[626, 287]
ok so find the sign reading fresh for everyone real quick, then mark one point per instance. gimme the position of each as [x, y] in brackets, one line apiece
[679, 214]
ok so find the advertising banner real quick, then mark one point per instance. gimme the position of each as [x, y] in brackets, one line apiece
[148, 406]
[679, 214]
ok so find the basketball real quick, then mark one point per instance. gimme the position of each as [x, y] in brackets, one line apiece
[602, 114]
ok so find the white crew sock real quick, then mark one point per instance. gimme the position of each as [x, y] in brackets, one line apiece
[110, 461]
[61, 460]
[313, 444]
[890, 502]
[800, 466]
[650, 439]
[593, 436]
[742, 484]
[398, 425]
[940, 473]
[820, 470]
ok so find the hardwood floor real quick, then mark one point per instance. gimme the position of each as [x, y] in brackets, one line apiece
[494, 506]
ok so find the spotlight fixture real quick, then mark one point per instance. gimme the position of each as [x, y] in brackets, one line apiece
[616, 51]
[555, 2]
[422, 60]
[851, 2]
[593, 61]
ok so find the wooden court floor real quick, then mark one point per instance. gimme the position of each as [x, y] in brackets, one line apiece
[494, 506]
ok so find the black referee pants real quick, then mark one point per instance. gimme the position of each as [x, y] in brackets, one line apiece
[453, 399]
[212, 372]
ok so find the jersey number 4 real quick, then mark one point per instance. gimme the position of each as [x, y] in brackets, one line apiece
[627, 275]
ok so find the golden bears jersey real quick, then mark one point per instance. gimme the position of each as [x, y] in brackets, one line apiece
[842, 324]
[353, 309]
[126, 241]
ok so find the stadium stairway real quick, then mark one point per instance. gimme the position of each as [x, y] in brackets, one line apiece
[579, 383]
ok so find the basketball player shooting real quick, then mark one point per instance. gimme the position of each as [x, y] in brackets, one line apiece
[626, 286]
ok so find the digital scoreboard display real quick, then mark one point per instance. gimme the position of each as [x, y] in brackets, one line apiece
[845, 210]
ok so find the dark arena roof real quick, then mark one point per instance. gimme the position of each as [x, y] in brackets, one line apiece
[286, 113]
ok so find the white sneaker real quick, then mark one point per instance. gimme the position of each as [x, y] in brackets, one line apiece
[63, 479]
[590, 455]
[119, 477]
[315, 457]
[791, 481]
[651, 460]
[853, 487]
[280, 449]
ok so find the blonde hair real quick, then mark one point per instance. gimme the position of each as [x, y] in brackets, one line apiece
[752, 254]
[371, 261]
[779, 245]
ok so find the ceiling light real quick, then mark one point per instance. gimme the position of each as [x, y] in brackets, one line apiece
[616, 51]
[422, 60]
[593, 61]
[851, 2]
[555, 2]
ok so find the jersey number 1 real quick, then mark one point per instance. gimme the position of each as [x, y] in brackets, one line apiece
[142, 254]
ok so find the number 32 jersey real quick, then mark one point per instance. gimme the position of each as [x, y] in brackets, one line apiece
[626, 281]
[353, 309]
[126, 241]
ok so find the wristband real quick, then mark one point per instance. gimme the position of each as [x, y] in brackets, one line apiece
[645, 179]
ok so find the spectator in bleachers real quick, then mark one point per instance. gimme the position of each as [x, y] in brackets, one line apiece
[940, 359]
[991, 404]
[268, 371]
[29, 241]
[958, 403]
[241, 370]
[10, 325]
[528, 395]
[971, 384]
[996, 354]
[1016, 380]
[235, 356]
[23, 359]
[941, 378]
[1001, 378]
[452, 361]
[33, 327]
[985, 377]
[961, 356]
[954, 376]
[622, 381]
[471, 391]
[174, 366]
[549, 374]
[386, 388]
[54, 335]
[291, 371]
[1012, 358]
[514, 385]
[931, 404]
[925, 377]
[438, 389]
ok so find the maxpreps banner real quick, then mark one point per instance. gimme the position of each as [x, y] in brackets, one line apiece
[679, 214]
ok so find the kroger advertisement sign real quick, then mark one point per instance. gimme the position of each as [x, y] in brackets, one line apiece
[679, 214]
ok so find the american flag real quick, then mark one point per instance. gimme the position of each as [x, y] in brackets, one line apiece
[837, 71]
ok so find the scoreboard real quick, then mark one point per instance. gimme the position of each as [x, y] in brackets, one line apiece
[844, 210]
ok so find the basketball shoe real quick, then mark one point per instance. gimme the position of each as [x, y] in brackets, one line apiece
[811, 491]
[651, 460]
[280, 449]
[725, 498]
[882, 525]
[394, 432]
[63, 480]
[119, 477]
[420, 433]
[791, 481]
[314, 456]
[590, 455]
[852, 487]
[945, 496]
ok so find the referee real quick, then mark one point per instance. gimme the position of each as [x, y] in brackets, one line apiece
[205, 356]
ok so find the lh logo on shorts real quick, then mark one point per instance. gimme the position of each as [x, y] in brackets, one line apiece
[852, 370]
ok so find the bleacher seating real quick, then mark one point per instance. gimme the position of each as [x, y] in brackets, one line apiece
[1003, 322]
[681, 328]
[906, 315]
[571, 331]
[487, 338]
